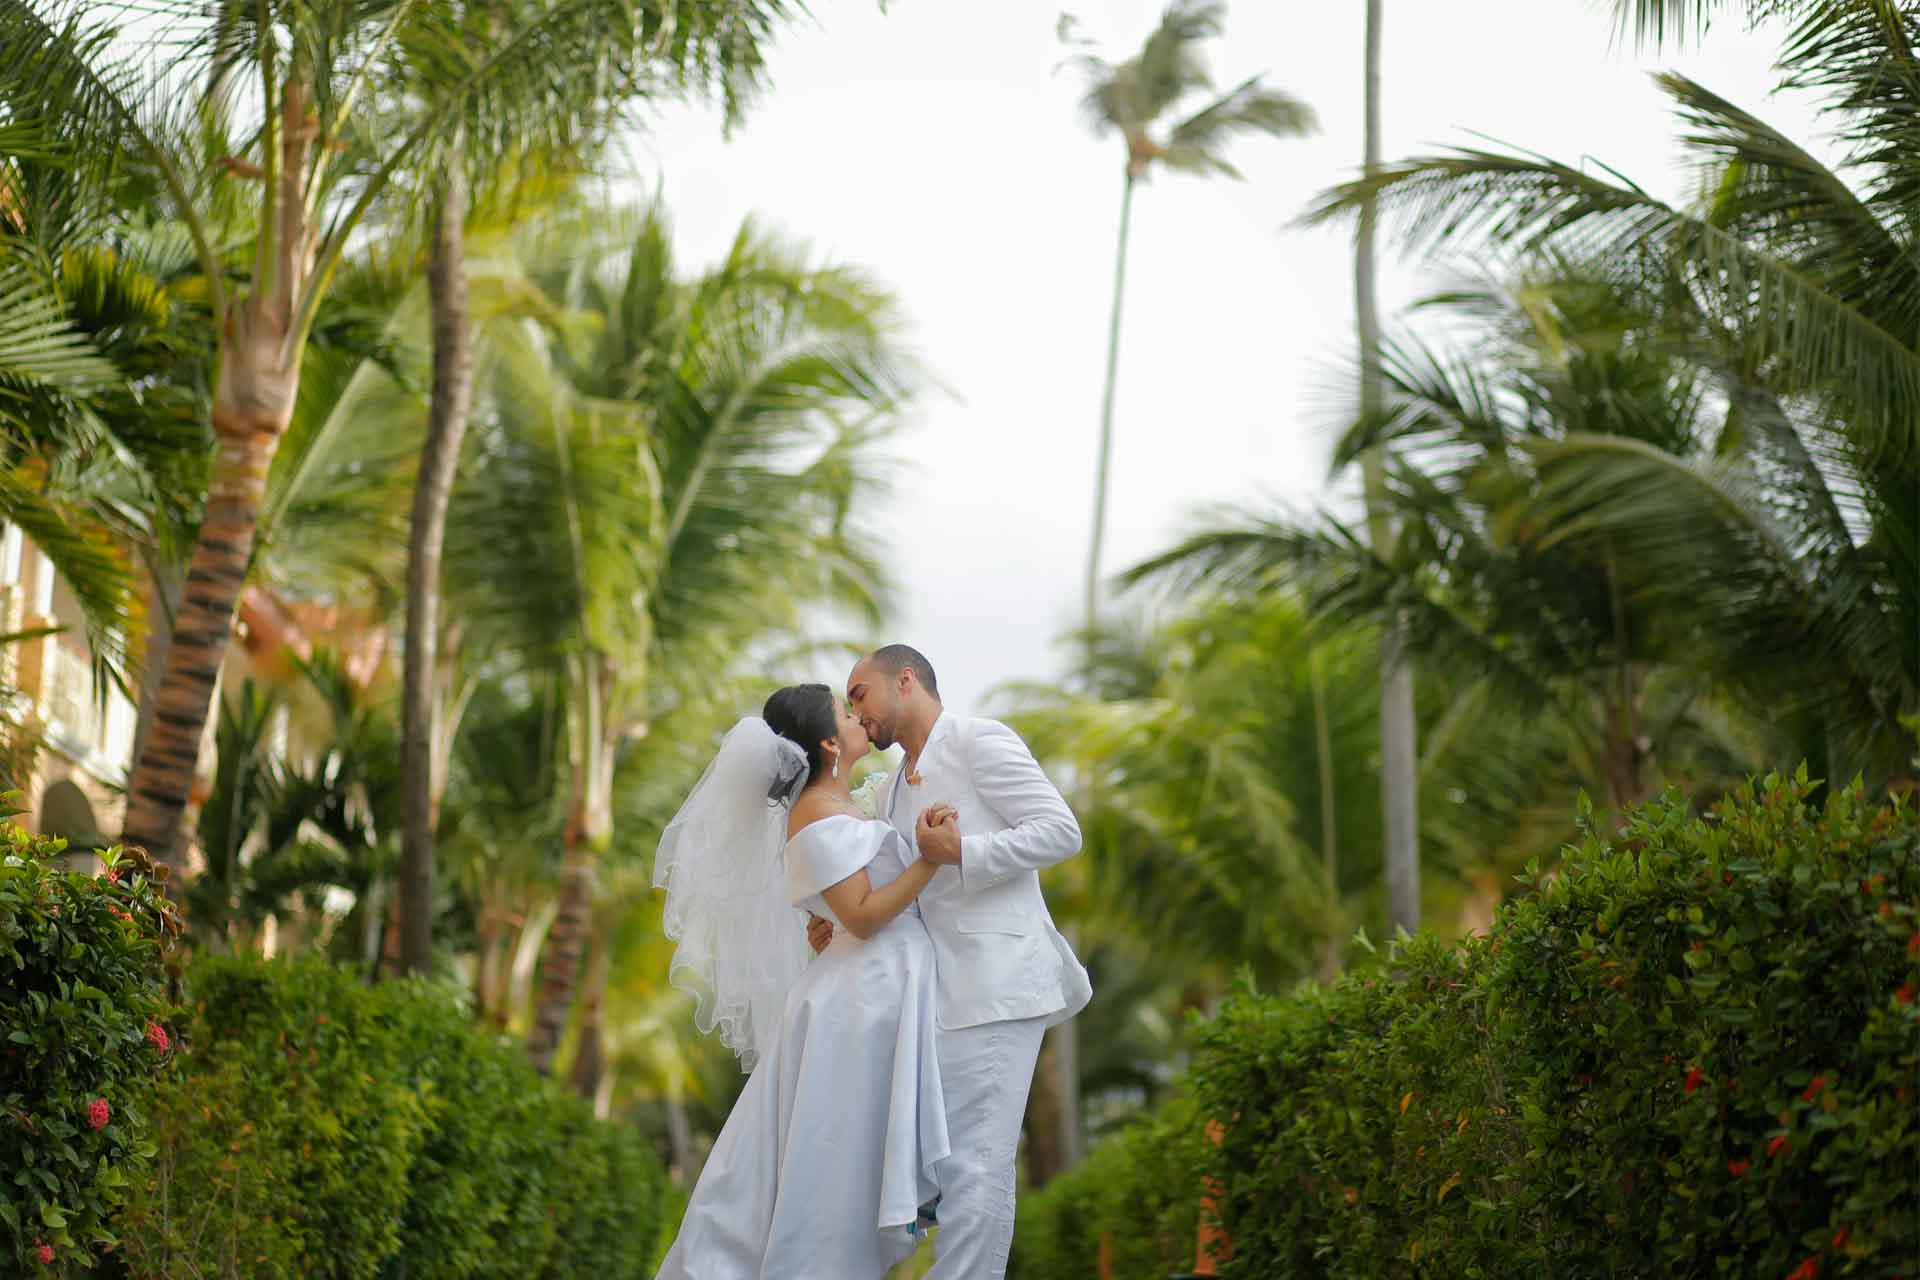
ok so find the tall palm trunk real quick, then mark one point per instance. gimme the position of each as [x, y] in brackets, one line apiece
[1103, 468]
[1329, 832]
[589, 1058]
[589, 831]
[258, 377]
[1053, 1113]
[1399, 764]
[426, 534]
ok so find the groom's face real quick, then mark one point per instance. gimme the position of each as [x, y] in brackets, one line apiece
[875, 699]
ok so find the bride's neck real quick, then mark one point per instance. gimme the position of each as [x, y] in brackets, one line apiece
[831, 788]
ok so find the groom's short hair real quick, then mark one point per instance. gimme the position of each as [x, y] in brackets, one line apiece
[895, 658]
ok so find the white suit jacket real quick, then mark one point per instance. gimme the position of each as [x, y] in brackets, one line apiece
[997, 954]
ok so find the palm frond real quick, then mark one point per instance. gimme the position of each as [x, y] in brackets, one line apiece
[1194, 144]
[1815, 340]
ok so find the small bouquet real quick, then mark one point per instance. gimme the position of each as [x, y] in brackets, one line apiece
[866, 796]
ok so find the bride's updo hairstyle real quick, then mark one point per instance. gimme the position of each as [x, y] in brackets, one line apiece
[805, 715]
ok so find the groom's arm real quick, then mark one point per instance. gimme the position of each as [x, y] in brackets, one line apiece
[1041, 828]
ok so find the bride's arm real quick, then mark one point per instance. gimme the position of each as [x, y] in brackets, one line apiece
[864, 909]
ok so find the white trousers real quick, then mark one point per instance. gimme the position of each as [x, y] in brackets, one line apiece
[985, 1072]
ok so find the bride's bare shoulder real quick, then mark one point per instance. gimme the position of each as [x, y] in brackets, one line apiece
[810, 808]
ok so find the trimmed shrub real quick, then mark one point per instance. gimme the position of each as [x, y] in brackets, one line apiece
[325, 1128]
[1138, 1189]
[1712, 1025]
[1692, 1051]
[1366, 1132]
[287, 1137]
[83, 1030]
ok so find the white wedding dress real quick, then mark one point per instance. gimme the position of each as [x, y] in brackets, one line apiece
[830, 1151]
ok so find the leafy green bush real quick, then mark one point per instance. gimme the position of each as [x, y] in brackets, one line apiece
[1139, 1189]
[1365, 1132]
[1692, 1051]
[1712, 1026]
[324, 1128]
[83, 1016]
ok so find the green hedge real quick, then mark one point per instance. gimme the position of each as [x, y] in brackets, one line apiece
[1137, 1188]
[320, 1127]
[83, 1031]
[1691, 1052]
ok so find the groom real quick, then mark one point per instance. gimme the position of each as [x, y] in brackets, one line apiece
[1004, 973]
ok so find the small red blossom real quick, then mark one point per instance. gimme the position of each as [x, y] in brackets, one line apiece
[1839, 1240]
[113, 875]
[97, 1114]
[1738, 1168]
[1807, 1270]
[1778, 1145]
[1813, 1088]
[45, 1253]
[1694, 1077]
[1905, 994]
[157, 1037]
[1913, 945]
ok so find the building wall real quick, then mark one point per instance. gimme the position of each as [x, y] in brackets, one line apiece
[84, 738]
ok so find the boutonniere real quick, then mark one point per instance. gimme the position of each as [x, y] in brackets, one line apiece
[866, 796]
[913, 777]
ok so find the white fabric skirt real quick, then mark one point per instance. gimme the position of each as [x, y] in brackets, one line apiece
[830, 1150]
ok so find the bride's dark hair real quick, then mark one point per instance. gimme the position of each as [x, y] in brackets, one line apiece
[805, 715]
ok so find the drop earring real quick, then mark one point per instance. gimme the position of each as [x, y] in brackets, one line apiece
[836, 765]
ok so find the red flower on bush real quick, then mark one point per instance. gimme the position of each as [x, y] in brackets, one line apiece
[157, 1037]
[1807, 1270]
[1813, 1088]
[1913, 945]
[97, 1114]
[1778, 1145]
[45, 1252]
[1694, 1077]
[1839, 1239]
[1738, 1168]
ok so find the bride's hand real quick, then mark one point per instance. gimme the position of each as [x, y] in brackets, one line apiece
[937, 833]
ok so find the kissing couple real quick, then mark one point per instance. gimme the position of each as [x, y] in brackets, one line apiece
[889, 1072]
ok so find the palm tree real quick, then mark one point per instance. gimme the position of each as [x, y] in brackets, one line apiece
[1797, 284]
[1399, 792]
[325, 82]
[1133, 98]
[664, 480]
[735, 67]
[1495, 581]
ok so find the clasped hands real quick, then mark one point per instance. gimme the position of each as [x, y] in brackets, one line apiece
[936, 831]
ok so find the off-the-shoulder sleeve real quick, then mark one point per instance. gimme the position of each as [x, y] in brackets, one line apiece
[829, 851]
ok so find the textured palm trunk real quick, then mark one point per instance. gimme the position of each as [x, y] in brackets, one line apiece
[1046, 1121]
[1103, 468]
[258, 376]
[426, 535]
[1399, 763]
[680, 1150]
[489, 934]
[589, 1057]
[589, 831]
[1329, 834]
[560, 958]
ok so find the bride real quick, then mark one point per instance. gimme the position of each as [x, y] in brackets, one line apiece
[830, 1150]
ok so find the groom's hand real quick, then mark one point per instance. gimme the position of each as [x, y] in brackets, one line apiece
[937, 832]
[819, 932]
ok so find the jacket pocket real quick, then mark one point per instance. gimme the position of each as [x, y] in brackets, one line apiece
[994, 922]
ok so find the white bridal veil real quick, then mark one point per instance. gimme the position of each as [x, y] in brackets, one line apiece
[741, 943]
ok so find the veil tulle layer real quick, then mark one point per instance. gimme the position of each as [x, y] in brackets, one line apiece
[741, 944]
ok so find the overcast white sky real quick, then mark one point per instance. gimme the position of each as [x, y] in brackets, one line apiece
[936, 146]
